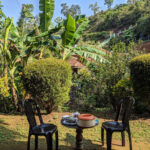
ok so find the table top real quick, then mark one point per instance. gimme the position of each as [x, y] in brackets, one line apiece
[77, 127]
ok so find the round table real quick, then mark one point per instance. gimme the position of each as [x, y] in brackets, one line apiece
[79, 131]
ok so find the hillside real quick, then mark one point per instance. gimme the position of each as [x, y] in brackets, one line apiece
[134, 18]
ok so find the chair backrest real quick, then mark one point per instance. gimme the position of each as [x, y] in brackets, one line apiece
[127, 106]
[124, 108]
[30, 106]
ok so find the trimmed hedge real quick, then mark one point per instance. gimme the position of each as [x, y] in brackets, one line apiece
[48, 81]
[140, 77]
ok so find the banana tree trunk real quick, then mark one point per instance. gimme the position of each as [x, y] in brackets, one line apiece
[14, 93]
[41, 53]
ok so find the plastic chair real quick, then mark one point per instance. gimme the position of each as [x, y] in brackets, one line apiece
[43, 129]
[124, 106]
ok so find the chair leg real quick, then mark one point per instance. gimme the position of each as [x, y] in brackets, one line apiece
[130, 140]
[123, 138]
[36, 142]
[109, 138]
[49, 141]
[28, 145]
[102, 136]
[56, 134]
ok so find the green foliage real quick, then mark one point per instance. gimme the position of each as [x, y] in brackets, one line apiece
[25, 21]
[121, 17]
[96, 35]
[92, 53]
[70, 28]
[1, 12]
[94, 7]
[79, 31]
[84, 89]
[117, 67]
[3, 92]
[109, 3]
[143, 26]
[47, 10]
[74, 10]
[140, 77]
[5, 101]
[122, 89]
[49, 81]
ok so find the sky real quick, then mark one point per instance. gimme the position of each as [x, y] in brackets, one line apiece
[12, 8]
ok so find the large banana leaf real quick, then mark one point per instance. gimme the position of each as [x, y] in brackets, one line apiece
[14, 31]
[79, 31]
[70, 28]
[46, 33]
[9, 23]
[87, 52]
[47, 10]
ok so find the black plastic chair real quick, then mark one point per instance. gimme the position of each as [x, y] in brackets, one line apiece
[43, 129]
[124, 108]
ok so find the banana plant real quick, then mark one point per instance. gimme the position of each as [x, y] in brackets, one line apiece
[5, 52]
[71, 35]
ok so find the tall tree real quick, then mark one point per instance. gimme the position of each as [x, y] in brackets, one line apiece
[65, 9]
[25, 21]
[109, 3]
[94, 7]
[131, 1]
[74, 10]
[58, 20]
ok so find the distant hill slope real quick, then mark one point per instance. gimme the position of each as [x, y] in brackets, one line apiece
[120, 18]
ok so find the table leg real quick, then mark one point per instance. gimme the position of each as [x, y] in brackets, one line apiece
[79, 139]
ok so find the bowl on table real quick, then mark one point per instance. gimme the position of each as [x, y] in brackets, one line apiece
[68, 120]
[86, 120]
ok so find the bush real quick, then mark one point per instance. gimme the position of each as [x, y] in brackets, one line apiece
[83, 93]
[123, 88]
[5, 102]
[140, 77]
[48, 81]
[117, 67]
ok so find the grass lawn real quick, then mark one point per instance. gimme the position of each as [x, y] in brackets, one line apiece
[14, 131]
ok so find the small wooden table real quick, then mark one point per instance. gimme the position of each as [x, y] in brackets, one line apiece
[79, 131]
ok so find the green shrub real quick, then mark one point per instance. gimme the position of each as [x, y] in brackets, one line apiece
[3, 92]
[109, 74]
[83, 93]
[123, 88]
[5, 102]
[140, 77]
[48, 81]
